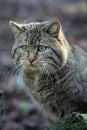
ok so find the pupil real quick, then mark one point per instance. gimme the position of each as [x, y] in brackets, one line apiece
[25, 48]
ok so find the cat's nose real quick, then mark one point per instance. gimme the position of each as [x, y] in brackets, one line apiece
[31, 60]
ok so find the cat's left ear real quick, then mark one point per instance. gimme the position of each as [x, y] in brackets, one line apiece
[54, 28]
[16, 28]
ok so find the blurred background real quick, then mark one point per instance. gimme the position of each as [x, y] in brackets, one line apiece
[19, 110]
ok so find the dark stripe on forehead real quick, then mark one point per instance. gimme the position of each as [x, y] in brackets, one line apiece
[30, 26]
[32, 36]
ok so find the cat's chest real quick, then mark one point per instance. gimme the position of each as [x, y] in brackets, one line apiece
[31, 81]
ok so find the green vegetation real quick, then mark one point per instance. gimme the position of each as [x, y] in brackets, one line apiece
[72, 122]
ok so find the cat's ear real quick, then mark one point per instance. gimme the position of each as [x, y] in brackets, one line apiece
[16, 28]
[54, 28]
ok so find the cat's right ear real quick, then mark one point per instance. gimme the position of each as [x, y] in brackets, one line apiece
[16, 28]
[54, 29]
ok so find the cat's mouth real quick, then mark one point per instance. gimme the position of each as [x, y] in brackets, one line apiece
[31, 68]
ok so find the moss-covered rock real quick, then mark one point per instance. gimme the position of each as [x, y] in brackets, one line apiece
[74, 121]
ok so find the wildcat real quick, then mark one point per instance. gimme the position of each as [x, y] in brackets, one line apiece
[54, 70]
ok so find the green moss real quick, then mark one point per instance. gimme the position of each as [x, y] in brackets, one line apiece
[72, 122]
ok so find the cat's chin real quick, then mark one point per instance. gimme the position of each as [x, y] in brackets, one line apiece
[31, 68]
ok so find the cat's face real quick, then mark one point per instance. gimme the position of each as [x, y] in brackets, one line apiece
[37, 46]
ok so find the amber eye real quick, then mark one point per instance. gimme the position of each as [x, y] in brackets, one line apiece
[25, 48]
[42, 48]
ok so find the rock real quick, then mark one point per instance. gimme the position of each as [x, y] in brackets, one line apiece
[72, 122]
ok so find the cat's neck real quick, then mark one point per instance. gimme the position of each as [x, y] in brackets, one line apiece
[31, 79]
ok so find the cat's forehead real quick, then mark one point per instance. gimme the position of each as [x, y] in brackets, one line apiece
[32, 25]
[36, 25]
[33, 33]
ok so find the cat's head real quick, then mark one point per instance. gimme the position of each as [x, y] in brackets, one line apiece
[39, 46]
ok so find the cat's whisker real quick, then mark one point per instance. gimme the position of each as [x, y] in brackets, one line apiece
[21, 75]
[56, 66]
[53, 63]
[45, 71]
[12, 70]
[10, 62]
[42, 74]
[49, 75]
[8, 72]
[53, 71]
[17, 72]
[9, 66]
[41, 71]
[58, 69]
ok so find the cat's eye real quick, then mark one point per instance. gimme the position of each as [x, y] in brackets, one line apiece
[42, 48]
[25, 48]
